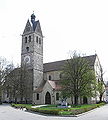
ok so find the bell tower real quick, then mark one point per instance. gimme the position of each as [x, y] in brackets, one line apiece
[32, 50]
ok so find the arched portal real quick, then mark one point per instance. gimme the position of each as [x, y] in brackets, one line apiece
[47, 98]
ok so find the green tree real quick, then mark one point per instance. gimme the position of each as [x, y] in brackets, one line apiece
[78, 78]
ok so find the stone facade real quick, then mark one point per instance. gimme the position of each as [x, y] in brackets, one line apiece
[45, 77]
[32, 50]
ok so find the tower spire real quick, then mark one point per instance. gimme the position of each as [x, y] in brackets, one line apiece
[33, 18]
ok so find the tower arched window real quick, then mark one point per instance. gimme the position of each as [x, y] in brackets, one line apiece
[49, 77]
[37, 39]
[25, 39]
[40, 41]
[27, 48]
[29, 38]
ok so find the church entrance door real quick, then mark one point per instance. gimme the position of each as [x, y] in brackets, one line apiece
[47, 98]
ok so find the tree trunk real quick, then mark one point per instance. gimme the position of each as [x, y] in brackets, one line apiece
[72, 99]
[26, 101]
[81, 100]
[75, 100]
[21, 99]
[100, 98]
[16, 100]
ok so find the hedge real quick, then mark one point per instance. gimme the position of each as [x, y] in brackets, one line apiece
[59, 111]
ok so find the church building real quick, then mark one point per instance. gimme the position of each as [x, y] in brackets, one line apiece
[46, 88]
[45, 77]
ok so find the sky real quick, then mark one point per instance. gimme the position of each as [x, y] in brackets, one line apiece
[67, 25]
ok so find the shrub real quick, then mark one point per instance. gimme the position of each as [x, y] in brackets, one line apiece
[101, 102]
[53, 110]
[65, 113]
[48, 111]
[20, 105]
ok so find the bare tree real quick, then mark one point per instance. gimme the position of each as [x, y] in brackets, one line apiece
[12, 85]
[5, 68]
[18, 84]
[26, 82]
[101, 85]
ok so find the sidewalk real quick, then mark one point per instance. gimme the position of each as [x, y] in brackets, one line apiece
[38, 106]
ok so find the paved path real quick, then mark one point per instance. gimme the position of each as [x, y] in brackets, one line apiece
[38, 106]
[9, 113]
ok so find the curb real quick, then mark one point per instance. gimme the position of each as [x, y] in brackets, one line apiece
[50, 114]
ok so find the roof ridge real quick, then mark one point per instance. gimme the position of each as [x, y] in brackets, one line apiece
[68, 59]
[58, 65]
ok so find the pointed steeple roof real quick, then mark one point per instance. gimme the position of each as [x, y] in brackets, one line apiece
[33, 26]
[38, 28]
[28, 27]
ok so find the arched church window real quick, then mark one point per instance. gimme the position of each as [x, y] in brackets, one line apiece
[37, 96]
[25, 39]
[27, 48]
[29, 38]
[49, 77]
[37, 39]
[57, 96]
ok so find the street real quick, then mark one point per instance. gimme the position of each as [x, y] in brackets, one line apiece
[9, 113]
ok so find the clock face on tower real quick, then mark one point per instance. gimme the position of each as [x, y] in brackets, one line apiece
[27, 59]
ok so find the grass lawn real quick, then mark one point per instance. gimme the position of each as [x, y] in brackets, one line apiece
[55, 110]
